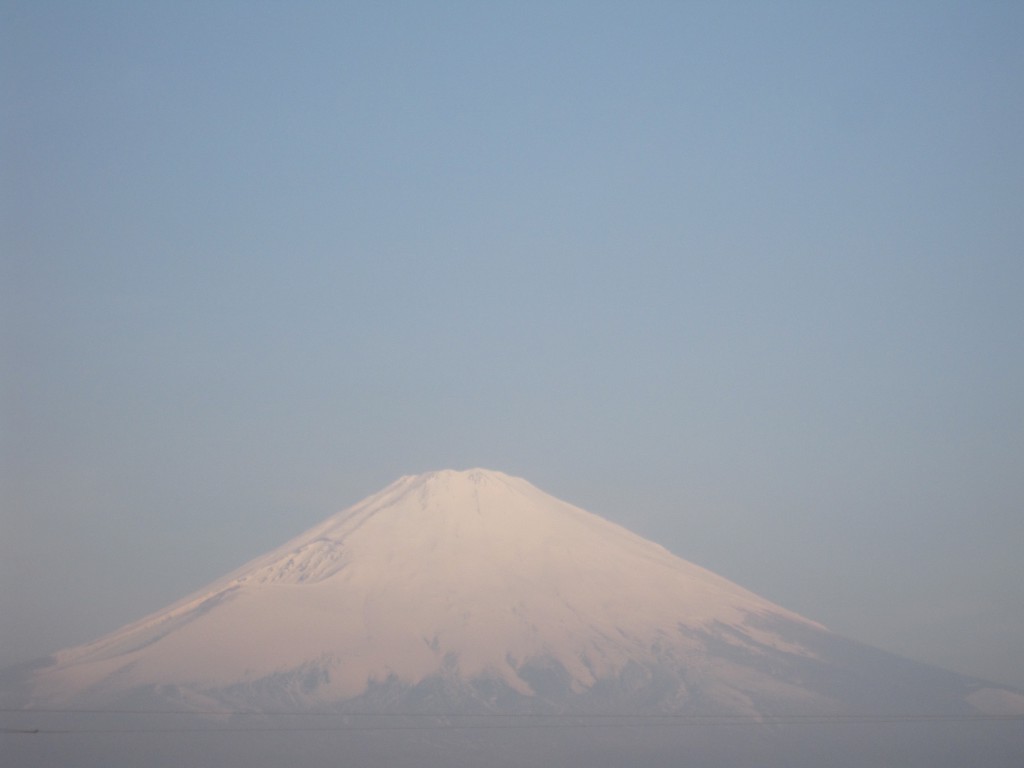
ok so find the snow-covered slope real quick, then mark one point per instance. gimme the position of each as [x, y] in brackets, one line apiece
[467, 590]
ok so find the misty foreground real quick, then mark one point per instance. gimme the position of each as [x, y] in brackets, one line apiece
[397, 744]
[467, 618]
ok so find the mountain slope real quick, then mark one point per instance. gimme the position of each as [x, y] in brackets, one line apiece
[475, 591]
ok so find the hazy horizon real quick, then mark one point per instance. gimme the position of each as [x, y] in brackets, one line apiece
[743, 279]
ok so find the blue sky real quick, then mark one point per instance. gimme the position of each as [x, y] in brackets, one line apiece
[743, 277]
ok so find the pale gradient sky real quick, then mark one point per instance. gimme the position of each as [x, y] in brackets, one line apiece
[746, 278]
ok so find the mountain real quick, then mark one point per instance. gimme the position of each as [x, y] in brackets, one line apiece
[475, 593]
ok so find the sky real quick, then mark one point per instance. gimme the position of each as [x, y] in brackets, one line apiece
[743, 277]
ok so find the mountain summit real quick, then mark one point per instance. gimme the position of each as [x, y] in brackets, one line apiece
[476, 591]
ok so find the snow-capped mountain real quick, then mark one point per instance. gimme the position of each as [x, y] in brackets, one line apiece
[476, 591]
